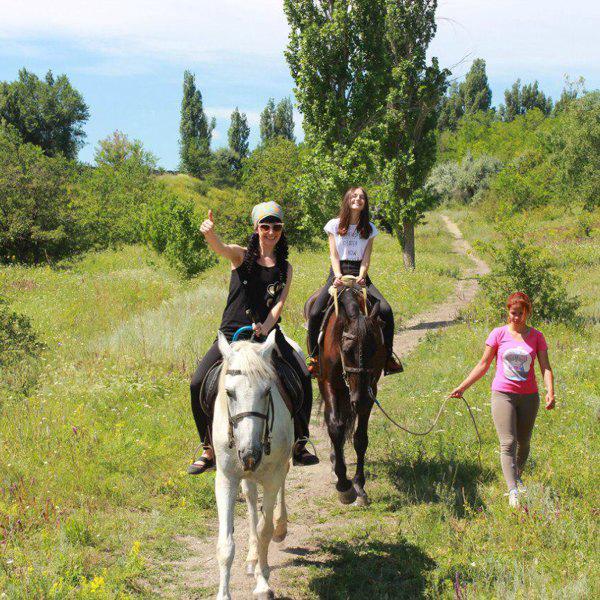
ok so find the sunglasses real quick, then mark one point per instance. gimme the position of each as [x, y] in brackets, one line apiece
[275, 227]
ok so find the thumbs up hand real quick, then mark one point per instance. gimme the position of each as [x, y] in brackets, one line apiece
[208, 225]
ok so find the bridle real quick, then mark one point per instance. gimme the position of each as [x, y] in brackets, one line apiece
[346, 369]
[268, 418]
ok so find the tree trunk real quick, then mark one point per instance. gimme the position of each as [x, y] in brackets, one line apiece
[408, 246]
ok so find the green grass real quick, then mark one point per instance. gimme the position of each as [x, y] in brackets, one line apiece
[440, 520]
[93, 487]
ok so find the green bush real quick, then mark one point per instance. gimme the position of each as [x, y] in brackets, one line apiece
[173, 228]
[521, 266]
[36, 222]
[112, 198]
[232, 211]
[19, 350]
[577, 150]
[462, 182]
[271, 173]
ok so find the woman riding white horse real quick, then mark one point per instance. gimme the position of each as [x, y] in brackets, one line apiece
[253, 437]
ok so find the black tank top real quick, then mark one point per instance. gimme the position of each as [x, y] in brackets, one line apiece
[259, 292]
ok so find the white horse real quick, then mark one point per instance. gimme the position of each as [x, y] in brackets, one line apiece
[253, 436]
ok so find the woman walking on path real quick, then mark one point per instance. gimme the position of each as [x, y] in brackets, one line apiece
[351, 237]
[260, 281]
[515, 398]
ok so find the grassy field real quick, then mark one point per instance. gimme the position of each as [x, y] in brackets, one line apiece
[93, 490]
[440, 525]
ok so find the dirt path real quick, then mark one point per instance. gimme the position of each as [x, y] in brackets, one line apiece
[312, 504]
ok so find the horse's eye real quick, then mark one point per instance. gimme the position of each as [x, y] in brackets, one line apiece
[231, 394]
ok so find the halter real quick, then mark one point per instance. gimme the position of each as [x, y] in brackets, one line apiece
[269, 418]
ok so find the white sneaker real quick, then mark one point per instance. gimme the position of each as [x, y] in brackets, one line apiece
[521, 486]
[513, 498]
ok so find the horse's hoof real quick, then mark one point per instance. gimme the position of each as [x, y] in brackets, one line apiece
[362, 500]
[269, 595]
[250, 566]
[347, 497]
[279, 537]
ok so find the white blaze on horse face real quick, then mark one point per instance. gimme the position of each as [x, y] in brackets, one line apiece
[247, 393]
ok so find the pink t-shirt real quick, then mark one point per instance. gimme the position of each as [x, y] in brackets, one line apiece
[515, 360]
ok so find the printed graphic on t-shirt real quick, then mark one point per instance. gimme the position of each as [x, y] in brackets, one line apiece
[516, 363]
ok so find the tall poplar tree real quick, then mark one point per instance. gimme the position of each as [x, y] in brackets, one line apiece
[195, 130]
[520, 99]
[472, 95]
[267, 121]
[475, 90]
[238, 133]
[284, 120]
[277, 121]
[369, 101]
[414, 90]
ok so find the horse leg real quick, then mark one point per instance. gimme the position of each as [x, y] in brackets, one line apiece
[361, 441]
[251, 492]
[262, 591]
[225, 492]
[346, 492]
[281, 514]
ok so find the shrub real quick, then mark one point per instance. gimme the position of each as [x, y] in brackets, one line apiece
[232, 213]
[464, 182]
[271, 173]
[526, 182]
[522, 266]
[35, 221]
[576, 153]
[19, 349]
[173, 228]
[112, 198]
[225, 170]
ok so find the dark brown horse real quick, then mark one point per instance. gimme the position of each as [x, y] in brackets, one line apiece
[351, 360]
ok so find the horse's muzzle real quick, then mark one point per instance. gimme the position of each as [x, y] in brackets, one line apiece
[250, 458]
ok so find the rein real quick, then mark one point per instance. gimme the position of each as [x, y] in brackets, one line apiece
[268, 418]
[434, 423]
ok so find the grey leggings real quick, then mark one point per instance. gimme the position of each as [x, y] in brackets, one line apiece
[514, 416]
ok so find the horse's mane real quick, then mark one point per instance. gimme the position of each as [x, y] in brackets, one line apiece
[251, 362]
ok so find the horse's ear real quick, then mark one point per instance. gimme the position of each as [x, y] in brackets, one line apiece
[375, 310]
[224, 346]
[266, 348]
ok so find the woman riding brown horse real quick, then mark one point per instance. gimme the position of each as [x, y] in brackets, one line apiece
[352, 358]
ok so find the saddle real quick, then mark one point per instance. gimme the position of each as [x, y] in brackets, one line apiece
[332, 306]
[288, 384]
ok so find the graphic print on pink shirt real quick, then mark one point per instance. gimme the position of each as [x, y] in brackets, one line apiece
[515, 360]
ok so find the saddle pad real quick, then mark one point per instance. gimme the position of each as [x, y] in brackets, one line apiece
[210, 388]
[289, 384]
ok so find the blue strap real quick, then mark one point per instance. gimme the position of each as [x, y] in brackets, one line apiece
[241, 330]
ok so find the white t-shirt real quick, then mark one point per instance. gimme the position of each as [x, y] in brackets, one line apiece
[350, 246]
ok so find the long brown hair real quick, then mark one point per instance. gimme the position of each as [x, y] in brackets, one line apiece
[364, 224]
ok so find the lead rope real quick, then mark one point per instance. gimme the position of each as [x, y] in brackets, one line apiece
[428, 431]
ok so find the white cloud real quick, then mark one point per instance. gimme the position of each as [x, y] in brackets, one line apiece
[519, 36]
[191, 30]
[514, 36]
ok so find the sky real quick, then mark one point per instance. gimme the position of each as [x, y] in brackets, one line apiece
[127, 57]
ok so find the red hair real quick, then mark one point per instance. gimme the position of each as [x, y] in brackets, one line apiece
[519, 299]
